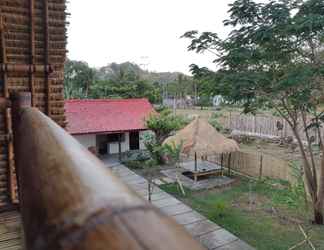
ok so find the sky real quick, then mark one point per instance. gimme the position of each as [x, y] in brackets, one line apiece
[146, 32]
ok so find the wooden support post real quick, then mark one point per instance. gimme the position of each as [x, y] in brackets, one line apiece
[196, 164]
[261, 167]
[70, 200]
[12, 184]
[222, 159]
[32, 50]
[229, 164]
[46, 63]
[18, 102]
[119, 148]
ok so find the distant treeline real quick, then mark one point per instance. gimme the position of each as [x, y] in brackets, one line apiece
[126, 80]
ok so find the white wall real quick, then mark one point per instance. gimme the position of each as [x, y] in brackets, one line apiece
[86, 140]
[113, 148]
[90, 141]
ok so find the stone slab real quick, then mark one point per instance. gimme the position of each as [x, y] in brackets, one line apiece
[217, 239]
[157, 196]
[238, 244]
[176, 209]
[201, 227]
[189, 217]
[166, 202]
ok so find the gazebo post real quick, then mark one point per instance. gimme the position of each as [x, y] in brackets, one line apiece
[196, 166]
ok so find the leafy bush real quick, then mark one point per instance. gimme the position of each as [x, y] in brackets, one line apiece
[164, 124]
[137, 155]
[214, 121]
[135, 164]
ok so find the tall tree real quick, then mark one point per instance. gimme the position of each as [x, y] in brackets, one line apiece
[78, 77]
[271, 58]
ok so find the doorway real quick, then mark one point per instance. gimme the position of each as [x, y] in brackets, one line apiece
[134, 141]
[102, 144]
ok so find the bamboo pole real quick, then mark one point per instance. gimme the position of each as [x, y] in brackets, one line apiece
[46, 63]
[70, 200]
[32, 49]
[8, 123]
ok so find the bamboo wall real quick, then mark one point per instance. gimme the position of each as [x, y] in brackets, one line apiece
[32, 56]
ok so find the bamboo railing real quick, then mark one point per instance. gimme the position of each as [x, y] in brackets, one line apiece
[69, 200]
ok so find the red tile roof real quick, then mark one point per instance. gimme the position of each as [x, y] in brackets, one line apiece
[106, 115]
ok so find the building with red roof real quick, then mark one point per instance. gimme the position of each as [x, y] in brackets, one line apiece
[108, 125]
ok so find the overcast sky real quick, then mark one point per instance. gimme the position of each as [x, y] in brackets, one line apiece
[142, 31]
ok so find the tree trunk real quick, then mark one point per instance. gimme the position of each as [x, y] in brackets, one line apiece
[318, 215]
[319, 206]
[317, 194]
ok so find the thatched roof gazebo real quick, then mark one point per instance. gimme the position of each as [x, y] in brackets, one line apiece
[200, 139]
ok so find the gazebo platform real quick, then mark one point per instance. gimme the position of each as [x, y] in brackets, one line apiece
[213, 177]
[203, 169]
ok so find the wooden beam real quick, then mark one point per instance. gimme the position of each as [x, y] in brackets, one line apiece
[46, 62]
[32, 49]
[12, 187]
[25, 68]
[70, 200]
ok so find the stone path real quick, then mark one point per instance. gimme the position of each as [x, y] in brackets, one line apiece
[208, 233]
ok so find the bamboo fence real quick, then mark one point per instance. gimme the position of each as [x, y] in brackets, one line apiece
[256, 165]
[264, 126]
[32, 56]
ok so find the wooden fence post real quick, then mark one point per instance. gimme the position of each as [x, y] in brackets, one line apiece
[261, 167]
[229, 164]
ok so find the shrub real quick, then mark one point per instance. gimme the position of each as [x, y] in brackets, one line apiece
[214, 121]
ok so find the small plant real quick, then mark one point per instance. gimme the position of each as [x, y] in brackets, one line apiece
[173, 154]
[219, 209]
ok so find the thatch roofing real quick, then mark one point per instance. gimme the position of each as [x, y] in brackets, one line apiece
[203, 139]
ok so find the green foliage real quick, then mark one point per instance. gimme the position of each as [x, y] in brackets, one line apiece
[136, 155]
[172, 153]
[134, 164]
[214, 121]
[81, 81]
[260, 227]
[272, 58]
[164, 124]
[175, 190]
[78, 77]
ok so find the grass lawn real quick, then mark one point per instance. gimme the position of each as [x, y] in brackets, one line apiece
[266, 216]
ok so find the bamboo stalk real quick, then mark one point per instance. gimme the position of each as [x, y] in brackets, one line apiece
[10, 147]
[46, 48]
[32, 50]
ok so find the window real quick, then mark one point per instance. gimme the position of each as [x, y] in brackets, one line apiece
[113, 138]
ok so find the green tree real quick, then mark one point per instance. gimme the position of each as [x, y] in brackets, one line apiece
[271, 58]
[78, 77]
[164, 124]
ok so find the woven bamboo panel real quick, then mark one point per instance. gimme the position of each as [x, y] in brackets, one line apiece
[33, 39]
